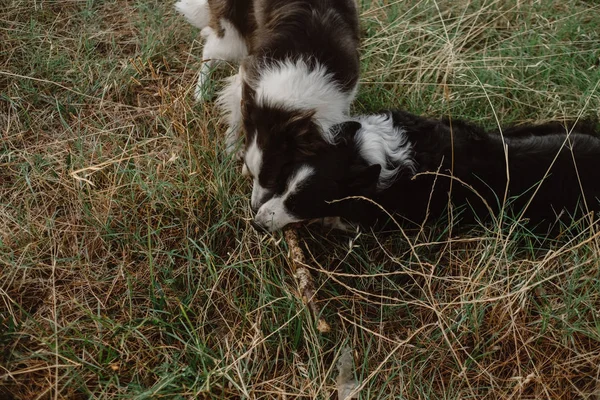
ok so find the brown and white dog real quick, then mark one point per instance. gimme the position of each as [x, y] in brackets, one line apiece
[298, 76]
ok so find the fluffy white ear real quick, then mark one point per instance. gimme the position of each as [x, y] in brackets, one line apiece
[380, 142]
[196, 12]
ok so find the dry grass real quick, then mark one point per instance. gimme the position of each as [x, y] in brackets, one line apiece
[128, 268]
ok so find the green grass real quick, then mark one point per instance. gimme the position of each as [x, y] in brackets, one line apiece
[128, 268]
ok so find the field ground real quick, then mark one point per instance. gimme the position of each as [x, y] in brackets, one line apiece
[128, 268]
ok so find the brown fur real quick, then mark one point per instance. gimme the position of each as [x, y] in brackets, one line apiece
[239, 12]
[324, 31]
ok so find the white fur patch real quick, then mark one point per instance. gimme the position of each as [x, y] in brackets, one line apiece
[253, 158]
[259, 194]
[231, 47]
[293, 85]
[253, 163]
[245, 170]
[380, 142]
[273, 215]
[196, 12]
[229, 101]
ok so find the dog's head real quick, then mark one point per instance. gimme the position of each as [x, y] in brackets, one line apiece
[277, 141]
[306, 189]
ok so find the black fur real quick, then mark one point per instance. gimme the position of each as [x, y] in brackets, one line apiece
[477, 161]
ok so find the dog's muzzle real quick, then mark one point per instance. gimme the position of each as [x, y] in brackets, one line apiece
[258, 227]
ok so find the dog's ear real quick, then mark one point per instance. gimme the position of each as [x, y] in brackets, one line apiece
[303, 135]
[248, 95]
[362, 180]
[346, 130]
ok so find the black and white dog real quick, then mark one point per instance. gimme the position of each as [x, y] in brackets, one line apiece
[298, 77]
[409, 165]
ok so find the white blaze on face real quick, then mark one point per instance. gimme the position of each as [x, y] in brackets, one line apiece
[259, 194]
[253, 163]
[273, 215]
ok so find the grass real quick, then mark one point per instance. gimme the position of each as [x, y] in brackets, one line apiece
[128, 268]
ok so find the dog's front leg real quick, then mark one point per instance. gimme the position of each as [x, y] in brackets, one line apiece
[226, 45]
[201, 93]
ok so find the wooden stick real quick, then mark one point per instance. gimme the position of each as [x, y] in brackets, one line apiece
[303, 277]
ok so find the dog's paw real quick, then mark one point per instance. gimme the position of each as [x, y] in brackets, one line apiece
[233, 145]
[236, 153]
[204, 91]
[202, 95]
[334, 223]
[240, 154]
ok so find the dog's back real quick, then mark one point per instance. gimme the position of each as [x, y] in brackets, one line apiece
[569, 166]
[416, 168]
[550, 171]
[316, 31]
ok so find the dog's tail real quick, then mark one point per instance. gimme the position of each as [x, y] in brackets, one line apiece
[196, 12]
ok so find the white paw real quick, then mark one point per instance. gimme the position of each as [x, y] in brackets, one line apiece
[203, 92]
[233, 143]
[335, 223]
[241, 153]
[201, 96]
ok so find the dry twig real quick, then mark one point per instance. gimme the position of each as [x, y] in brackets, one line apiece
[306, 285]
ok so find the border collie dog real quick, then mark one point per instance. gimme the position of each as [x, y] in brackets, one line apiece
[298, 77]
[412, 166]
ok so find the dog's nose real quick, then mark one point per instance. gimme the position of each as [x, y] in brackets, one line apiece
[259, 228]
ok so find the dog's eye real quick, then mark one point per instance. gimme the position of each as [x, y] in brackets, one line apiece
[279, 181]
[273, 182]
